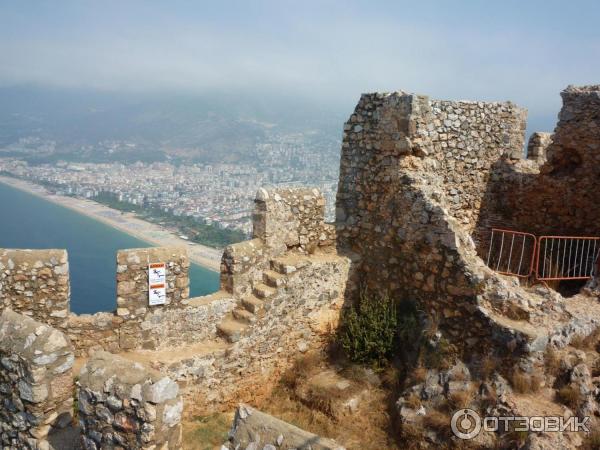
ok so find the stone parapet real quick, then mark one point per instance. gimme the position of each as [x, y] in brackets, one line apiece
[288, 218]
[91, 332]
[538, 145]
[122, 404]
[36, 283]
[36, 381]
[132, 279]
[196, 321]
[242, 264]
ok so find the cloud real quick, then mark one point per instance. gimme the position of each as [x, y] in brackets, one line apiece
[334, 50]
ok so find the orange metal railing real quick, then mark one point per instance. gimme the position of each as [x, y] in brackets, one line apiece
[546, 258]
[512, 252]
[566, 257]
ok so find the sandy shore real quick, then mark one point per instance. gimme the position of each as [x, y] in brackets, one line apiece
[202, 255]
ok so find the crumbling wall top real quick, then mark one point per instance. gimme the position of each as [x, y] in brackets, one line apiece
[36, 381]
[289, 217]
[36, 283]
[123, 403]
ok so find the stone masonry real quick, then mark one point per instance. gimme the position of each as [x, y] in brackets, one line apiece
[556, 193]
[36, 283]
[290, 217]
[421, 183]
[122, 404]
[36, 382]
[132, 289]
[253, 429]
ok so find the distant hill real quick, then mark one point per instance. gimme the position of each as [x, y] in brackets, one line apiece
[44, 124]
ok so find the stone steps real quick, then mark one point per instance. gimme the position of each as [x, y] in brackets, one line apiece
[243, 315]
[289, 264]
[231, 328]
[263, 291]
[274, 279]
[253, 304]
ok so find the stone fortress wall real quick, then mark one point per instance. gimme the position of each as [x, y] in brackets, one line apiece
[274, 301]
[36, 381]
[556, 191]
[119, 402]
[421, 182]
[36, 283]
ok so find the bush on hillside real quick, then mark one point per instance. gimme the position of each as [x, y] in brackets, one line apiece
[372, 330]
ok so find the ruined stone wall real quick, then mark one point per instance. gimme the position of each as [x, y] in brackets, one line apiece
[36, 283]
[132, 289]
[194, 322]
[538, 145]
[283, 219]
[413, 174]
[466, 140]
[36, 381]
[290, 217]
[460, 141]
[558, 196]
[298, 317]
[242, 265]
[90, 332]
[123, 404]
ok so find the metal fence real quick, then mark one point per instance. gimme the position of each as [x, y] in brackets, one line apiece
[567, 257]
[546, 258]
[511, 252]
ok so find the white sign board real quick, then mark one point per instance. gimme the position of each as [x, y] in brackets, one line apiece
[157, 278]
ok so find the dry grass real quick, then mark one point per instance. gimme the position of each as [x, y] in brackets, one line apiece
[589, 342]
[391, 378]
[551, 362]
[356, 373]
[206, 432]
[419, 374]
[462, 399]
[526, 384]
[488, 366]
[369, 428]
[569, 396]
[578, 341]
[490, 399]
[595, 369]
[591, 441]
[439, 422]
[413, 401]
[303, 368]
[412, 436]
[513, 439]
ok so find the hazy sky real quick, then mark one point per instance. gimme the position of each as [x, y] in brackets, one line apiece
[525, 51]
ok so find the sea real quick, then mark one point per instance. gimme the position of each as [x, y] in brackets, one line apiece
[29, 221]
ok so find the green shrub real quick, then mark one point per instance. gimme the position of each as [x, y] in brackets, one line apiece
[369, 329]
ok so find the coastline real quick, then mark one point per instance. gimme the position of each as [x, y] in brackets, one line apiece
[207, 257]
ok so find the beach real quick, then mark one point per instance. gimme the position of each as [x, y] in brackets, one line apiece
[154, 234]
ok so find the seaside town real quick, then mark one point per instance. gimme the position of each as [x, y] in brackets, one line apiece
[217, 194]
